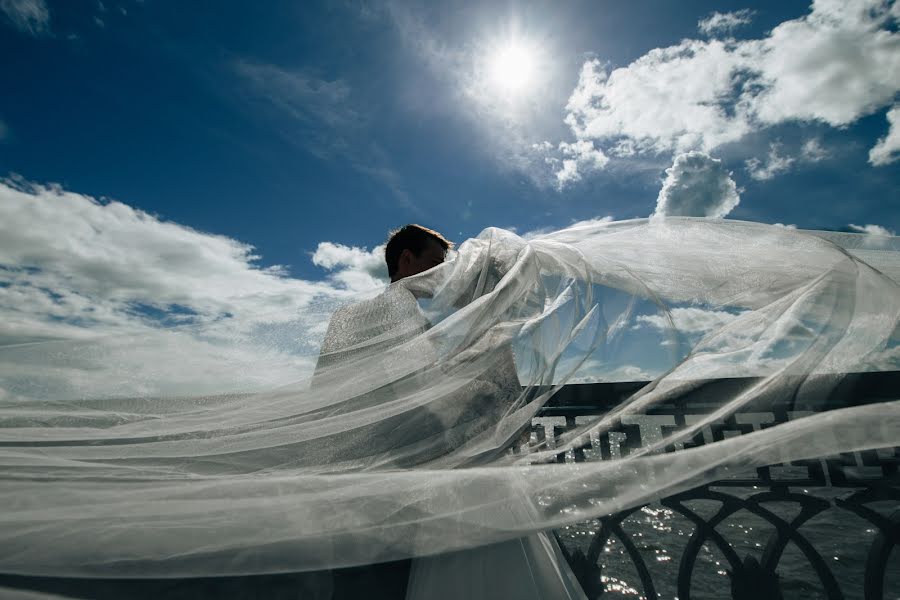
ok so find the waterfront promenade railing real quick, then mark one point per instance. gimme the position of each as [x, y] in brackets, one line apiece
[805, 512]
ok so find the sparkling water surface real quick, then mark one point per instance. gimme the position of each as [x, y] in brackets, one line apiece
[661, 535]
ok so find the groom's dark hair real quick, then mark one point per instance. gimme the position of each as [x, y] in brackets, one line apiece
[410, 237]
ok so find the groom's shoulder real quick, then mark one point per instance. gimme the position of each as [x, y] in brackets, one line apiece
[355, 323]
[387, 308]
[394, 298]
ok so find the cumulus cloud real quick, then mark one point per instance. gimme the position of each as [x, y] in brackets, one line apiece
[832, 66]
[28, 16]
[876, 230]
[353, 268]
[697, 185]
[579, 156]
[658, 102]
[569, 161]
[876, 237]
[689, 320]
[835, 65]
[887, 150]
[97, 295]
[70, 261]
[624, 148]
[723, 23]
[774, 164]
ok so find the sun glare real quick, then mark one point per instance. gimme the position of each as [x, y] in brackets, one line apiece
[513, 67]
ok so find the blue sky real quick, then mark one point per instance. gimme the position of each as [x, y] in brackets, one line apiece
[299, 123]
[308, 130]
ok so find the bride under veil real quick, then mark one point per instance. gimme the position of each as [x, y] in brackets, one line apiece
[117, 462]
[531, 567]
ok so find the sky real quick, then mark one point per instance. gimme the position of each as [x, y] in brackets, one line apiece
[164, 160]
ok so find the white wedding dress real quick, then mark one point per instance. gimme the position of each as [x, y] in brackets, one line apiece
[528, 568]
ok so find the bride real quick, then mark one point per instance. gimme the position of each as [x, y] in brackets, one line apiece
[532, 567]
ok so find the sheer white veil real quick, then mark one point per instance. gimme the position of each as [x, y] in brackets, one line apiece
[220, 449]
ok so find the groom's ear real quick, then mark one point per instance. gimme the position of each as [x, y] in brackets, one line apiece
[405, 261]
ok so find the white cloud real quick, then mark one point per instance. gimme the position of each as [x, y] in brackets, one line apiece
[724, 23]
[28, 16]
[813, 151]
[96, 295]
[689, 320]
[839, 63]
[697, 185]
[834, 65]
[353, 268]
[658, 101]
[775, 163]
[876, 230]
[568, 173]
[887, 150]
[624, 148]
[594, 371]
[568, 161]
[69, 260]
[876, 237]
[579, 156]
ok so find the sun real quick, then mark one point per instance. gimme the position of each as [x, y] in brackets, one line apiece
[513, 66]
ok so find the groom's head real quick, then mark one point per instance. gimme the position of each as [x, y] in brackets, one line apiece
[413, 249]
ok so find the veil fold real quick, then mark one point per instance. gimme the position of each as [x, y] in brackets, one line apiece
[266, 444]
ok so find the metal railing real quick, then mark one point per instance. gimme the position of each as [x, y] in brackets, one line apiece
[787, 499]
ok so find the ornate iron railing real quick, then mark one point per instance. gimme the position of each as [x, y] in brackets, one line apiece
[805, 512]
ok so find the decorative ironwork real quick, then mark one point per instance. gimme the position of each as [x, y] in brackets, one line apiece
[753, 576]
[788, 499]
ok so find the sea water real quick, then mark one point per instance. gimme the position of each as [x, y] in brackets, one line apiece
[840, 539]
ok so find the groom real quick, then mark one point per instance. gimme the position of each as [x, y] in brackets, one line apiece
[410, 250]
